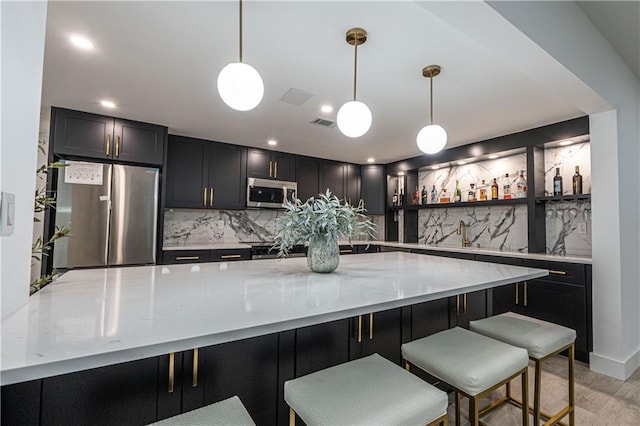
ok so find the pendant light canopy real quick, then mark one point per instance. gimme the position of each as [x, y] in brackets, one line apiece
[431, 138]
[354, 117]
[240, 85]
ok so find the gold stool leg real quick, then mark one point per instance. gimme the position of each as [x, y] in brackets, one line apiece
[457, 404]
[537, 384]
[292, 417]
[572, 407]
[525, 397]
[473, 411]
[508, 390]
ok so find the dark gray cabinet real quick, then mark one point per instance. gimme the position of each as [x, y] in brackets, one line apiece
[205, 174]
[308, 177]
[332, 177]
[377, 332]
[21, 403]
[372, 188]
[85, 135]
[201, 256]
[352, 184]
[265, 164]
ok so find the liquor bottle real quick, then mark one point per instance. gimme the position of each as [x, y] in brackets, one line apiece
[395, 198]
[494, 189]
[483, 191]
[415, 200]
[557, 183]
[423, 199]
[577, 181]
[472, 193]
[521, 186]
[401, 199]
[457, 195]
[444, 198]
[506, 189]
[434, 195]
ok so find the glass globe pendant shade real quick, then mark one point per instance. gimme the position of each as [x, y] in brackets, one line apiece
[240, 86]
[354, 119]
[431, 139]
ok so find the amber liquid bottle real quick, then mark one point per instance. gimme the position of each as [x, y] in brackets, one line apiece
[494, 189]
[577, 182]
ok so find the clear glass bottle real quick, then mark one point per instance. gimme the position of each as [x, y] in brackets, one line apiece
[444, 197]
[471, 195]
[394, 200]
[483, 191]
[521, 186]
[434, 195]
[457, 195]
[506, 188]
[423, 198]
[577, 182]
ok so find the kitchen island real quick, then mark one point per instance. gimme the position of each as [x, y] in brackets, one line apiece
[101, 317]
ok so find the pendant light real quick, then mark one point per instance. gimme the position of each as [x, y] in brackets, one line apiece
[239, 84]
[431, 138]
[354, 117]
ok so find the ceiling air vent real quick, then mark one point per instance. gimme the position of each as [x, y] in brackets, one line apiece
[324, 122]
[295, 96]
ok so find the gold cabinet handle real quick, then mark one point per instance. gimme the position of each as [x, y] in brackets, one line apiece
[371, 326]
[525, 293]
[270, 165]
[211, 196]
[187, 257]
[117, 145]
[194, 380]
[517, 299]
[108, 150]
[457, 304]
[275, 169]
[230, 256]
[553, 271]
[172, 370]
[204, 196]
[359, 328]
[464, 304]
[345, 251]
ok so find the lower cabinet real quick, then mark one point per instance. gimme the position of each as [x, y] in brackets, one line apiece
[467, 307]
[170, 257]
[21, 403]
[377, 332]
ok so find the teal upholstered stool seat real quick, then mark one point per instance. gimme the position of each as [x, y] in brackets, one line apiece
[229, 412]
[470, 363]
[542, 340]
[366, 391]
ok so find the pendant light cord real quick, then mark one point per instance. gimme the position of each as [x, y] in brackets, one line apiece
[355, 71]
[431, 98]
[240, 27]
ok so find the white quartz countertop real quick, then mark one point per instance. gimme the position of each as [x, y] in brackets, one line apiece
[98, 317]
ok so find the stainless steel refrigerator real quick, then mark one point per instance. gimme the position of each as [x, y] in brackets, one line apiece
[112, 212]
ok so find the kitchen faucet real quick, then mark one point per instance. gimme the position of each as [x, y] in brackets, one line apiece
[462, 229]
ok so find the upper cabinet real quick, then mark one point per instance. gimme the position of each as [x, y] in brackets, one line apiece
[308, 177]
[332, 177]
[265, 164]
[372, 188]
[82, 134]
[205, 174]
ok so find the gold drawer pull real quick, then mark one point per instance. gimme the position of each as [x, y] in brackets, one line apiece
[275, 169]
[117, 145]
[464, 309]
[172, 365]
[211, 196]
[204, 196]
[359, 328]
[187, 257]
[525, 293]
[108, 151]
[270, 168]
[553, 271]
[194, 380]
[517, 293]
[371, 326]
[230, 256]
[345, 251]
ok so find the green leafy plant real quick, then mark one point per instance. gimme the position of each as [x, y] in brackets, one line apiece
[324, 215]
[44, 200]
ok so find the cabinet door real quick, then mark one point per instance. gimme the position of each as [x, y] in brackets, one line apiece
[468, 307]
[259, 164]
[21, 403]
[321, 346]
[228, 255]
[185, 256]
[508, 298]
[382, 334]
[139, 142]
[170, 385]
[372, 188]
[122, 394]
[186, 172]
[352, 183]
[332, 177]
[308, 177]
[284, 166]
[247, 368]
[82, 134]
[227, 176]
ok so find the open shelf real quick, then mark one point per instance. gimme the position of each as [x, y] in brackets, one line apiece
[564, 198]
[464, 204]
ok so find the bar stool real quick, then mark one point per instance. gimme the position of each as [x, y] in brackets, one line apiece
[472, 364]
[542, 340]
[229, 412]
[367, 391]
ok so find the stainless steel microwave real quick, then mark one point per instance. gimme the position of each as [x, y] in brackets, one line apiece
[269, 193]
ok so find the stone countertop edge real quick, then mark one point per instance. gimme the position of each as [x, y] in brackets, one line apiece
[19, 365]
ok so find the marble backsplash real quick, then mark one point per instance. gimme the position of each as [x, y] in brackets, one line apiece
[566, 158]
[191, 227]
[495, 227]
[568, 226]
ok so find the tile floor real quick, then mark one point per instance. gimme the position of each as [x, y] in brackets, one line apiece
[600, 400]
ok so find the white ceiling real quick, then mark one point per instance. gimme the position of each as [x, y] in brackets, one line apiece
[159, 61]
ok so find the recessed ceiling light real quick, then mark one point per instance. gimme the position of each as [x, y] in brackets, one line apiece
[371, 160]
[81, 42]
[108, 104]
[565, 143]
[461, 163]
[272, 142]
[400, 173]
[493, 156]
[435, 167]
[326, 109]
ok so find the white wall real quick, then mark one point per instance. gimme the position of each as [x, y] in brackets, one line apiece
[23, 32]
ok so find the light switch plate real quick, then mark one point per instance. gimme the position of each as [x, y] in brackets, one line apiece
[7, 213]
